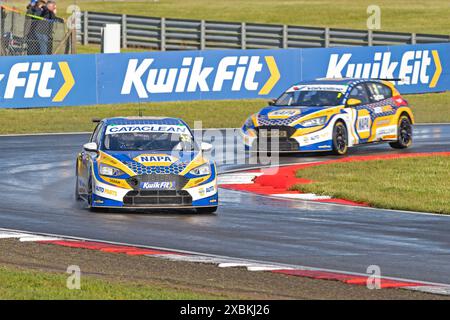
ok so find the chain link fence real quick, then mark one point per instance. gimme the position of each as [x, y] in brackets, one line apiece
[23, 34]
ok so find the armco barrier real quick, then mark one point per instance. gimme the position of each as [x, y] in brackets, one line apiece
[167, 34]
[37, 81]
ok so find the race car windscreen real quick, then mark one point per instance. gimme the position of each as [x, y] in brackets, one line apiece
[310, 98]
[149, 141]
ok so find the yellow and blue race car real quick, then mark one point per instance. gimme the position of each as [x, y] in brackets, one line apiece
[331, 115]
[146, 162]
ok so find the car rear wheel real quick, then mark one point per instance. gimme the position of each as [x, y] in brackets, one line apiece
[340, 139]
[206, 210]
[404, 134]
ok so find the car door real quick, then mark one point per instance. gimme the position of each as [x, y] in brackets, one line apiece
[362, 113]
[383, 110]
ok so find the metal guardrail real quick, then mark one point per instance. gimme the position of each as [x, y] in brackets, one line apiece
[181, 34]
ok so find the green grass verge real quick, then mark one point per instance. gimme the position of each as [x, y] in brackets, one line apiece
[23, 284]
[420, 16]
[414, 184]
[213, 114]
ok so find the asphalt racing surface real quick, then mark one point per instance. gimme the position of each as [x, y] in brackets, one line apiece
[37, 194]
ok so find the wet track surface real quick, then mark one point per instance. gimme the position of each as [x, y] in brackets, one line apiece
[37, 195]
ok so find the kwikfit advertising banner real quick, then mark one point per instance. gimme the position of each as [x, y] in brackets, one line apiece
[220, 74]
[47, 81]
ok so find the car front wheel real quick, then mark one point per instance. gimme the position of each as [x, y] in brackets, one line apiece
[340, 139]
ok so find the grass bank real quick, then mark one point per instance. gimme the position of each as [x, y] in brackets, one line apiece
[213, 114]
[414, 184]
[20, 284]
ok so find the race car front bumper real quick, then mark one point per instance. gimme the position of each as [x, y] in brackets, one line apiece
[320, 140]
[109, 196]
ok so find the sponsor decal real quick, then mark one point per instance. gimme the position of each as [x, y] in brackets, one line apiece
[115, 129]
[206, 191]
[156, 159]
[383, 122]
[412, 68]
[364, 124]
[166, 185]
[283, 113]
[320, 87]
[392, 130]
[383, 109]
[194, 75]
[275, 133]
[106, 191]
[35, 79]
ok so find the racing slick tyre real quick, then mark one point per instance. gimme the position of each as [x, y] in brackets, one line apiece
[206, 210]
[340, 139]
[90, 196]
[77, 192]
[404, 133]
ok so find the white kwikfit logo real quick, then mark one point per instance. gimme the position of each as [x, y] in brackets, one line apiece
[34, 77]
[192, 76]
[412, 67]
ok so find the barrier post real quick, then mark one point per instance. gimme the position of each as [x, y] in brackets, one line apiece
[124, 31]
[243, 36]
[327, 38]
[285, 36]
[163, 34]
[369, 38]
[85, 28]
[73, 42]
[202, 35]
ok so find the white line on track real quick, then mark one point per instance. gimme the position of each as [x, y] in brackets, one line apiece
[235, 260]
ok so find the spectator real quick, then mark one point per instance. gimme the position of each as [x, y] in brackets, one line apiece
[45, 30]
[34, 11]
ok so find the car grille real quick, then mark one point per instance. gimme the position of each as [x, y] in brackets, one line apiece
[149, 198]
[284, 143]
[264, 121]
[135, 181]
[140, 169]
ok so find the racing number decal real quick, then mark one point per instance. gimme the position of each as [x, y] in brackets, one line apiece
[364, 124]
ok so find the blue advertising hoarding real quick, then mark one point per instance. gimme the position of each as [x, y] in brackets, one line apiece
[72, 80]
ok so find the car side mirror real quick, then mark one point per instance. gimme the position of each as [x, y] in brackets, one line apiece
[271, 102]
[90, 147]
[206, 146]
[353, 102]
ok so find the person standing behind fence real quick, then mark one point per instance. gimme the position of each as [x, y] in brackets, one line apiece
[34, 11]
[45, 30]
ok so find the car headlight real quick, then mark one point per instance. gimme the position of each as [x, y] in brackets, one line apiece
[202, 170]
[314, 122]
[106, 170]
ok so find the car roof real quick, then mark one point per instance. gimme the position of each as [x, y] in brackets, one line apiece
[143, 120]
[338, 81]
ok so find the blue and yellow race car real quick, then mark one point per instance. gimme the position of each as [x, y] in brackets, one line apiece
[146, 162]
[331, 115]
